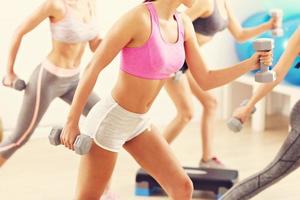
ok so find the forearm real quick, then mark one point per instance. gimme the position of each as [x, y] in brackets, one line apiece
[217, 78]
[248, 33]
[15, 45]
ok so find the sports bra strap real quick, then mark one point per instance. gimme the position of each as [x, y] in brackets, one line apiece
[152, 11]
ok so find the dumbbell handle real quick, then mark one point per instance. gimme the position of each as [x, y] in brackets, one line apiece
[263, 67]
[263, 45]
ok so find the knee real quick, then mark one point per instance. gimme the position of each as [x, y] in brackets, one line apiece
[184, 190]
[186, 115]
[211, 104]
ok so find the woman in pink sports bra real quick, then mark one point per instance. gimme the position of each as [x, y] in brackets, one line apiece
[150, 53]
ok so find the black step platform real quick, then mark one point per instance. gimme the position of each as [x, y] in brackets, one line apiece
[204, 179]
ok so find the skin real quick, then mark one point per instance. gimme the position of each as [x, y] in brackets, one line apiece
[62, 54]
[281, 69]
[124, 33]
[1, 130]
[181, 91]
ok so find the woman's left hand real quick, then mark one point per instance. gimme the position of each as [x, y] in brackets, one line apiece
[261, 57]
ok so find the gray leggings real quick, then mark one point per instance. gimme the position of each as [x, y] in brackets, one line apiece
[286, 161]
[42, 88]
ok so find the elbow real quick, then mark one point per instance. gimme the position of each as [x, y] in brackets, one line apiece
[205, 85]
[18, 33]
[240, 37]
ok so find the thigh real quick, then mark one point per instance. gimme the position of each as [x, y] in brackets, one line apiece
[153, 153]
[94, 172]
[180, 93]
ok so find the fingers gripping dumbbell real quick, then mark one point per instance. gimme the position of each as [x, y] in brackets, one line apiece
[265, 75]
[82, 144]
[235, 124]
[277, 13]
[17, 84]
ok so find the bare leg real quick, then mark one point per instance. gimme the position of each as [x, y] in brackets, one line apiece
[208, 117]
[94, 173]
[181, 95]
[153, 153]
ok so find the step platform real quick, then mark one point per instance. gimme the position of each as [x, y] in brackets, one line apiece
[217, 181]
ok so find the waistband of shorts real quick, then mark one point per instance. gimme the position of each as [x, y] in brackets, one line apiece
[110, 98]
[59, 71]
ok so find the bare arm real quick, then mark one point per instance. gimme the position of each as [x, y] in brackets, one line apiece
[95, 43]
[281, 68]
[242, 34]
[208, 79]
[50, 8]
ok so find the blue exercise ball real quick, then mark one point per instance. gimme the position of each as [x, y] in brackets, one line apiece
[290, 25]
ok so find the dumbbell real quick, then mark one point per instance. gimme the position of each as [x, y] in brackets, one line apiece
[278, 13]
[82, 144]
[235, 124]
[17, 84]
[265, 75]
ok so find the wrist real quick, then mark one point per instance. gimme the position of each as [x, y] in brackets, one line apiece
[10, 70]
[268, 25]
[250, 64]
[250, 105]
[72, 121]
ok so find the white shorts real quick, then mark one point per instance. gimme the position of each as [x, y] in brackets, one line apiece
[111, 126]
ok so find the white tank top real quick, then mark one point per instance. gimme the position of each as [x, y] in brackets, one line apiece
[71, 30]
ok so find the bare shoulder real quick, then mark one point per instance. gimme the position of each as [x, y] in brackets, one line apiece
[55, 7]
[137, 18]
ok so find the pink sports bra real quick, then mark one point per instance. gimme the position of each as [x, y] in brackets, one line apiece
[71, 30]
[156, 59]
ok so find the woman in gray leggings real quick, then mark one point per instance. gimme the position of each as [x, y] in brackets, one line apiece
[73, 26]
[288, 158]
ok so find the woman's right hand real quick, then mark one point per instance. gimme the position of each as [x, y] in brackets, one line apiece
[9, 79]
[69, 135]
[243, 113]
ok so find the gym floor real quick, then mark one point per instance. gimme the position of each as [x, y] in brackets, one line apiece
[40, 171]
